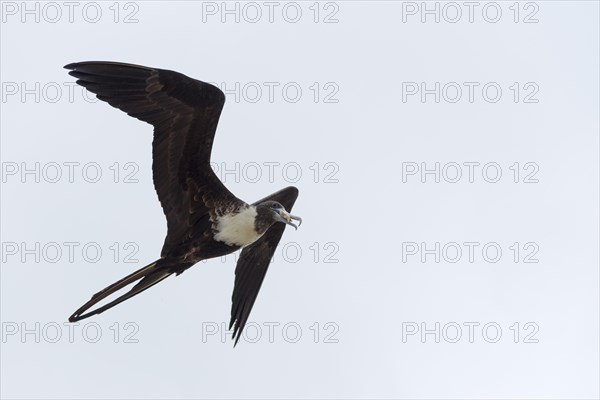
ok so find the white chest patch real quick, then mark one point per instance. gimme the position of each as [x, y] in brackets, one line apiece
[237, 229]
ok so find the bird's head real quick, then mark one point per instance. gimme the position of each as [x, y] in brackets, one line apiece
[270, 212]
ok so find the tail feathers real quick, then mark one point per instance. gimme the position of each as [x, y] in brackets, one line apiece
[148, 276]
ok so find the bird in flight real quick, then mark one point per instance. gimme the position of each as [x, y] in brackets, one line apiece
[204, 219]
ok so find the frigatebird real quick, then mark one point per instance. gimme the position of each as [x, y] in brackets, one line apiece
[204, 219]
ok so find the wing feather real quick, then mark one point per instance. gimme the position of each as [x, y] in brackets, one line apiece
[185, 113]
[253, 263]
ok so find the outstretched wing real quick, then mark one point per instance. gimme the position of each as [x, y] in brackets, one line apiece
[253, 264]
[185, 113]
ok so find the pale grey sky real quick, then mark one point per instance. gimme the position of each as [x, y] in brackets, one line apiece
[448, 176]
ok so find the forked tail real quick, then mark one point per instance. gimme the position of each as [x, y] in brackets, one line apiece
[148, 276]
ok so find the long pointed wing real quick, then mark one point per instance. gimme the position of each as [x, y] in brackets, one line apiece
[185, 113]
[253, 264]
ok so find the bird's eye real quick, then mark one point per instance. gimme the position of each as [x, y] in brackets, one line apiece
[273, 205]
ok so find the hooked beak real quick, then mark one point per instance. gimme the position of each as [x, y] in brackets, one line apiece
[287, 218]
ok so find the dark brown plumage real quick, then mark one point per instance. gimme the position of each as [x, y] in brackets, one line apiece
[253, 264]
[201, 212]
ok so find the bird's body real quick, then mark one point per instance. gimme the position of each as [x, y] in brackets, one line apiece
[237, 228]
[204, 219]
